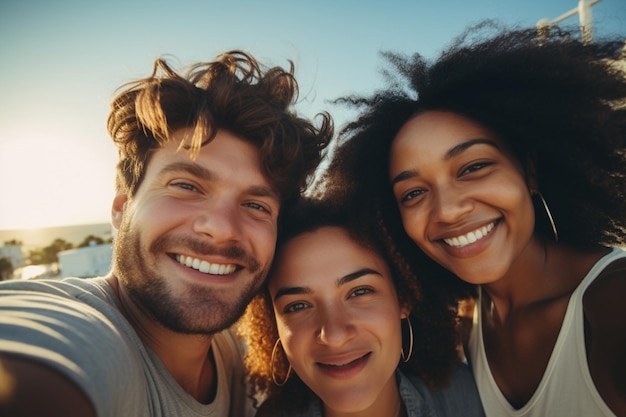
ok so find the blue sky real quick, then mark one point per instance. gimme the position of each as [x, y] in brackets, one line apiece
[61, 61]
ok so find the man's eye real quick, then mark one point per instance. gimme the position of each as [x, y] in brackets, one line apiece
[185, 186]
[257, 206]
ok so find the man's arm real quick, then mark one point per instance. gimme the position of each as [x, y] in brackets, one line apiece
[32, 389]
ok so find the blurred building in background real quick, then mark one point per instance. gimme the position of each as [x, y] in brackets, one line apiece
[89, 261]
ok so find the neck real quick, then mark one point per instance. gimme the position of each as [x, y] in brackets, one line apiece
[541, 273]
[388, 403]
[186, 357]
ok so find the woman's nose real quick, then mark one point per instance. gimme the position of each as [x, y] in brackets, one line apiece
[336, 328]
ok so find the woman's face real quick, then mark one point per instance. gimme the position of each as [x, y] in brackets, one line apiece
[463, 197]
[338, 319]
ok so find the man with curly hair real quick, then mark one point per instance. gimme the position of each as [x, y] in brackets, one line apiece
[207, 161]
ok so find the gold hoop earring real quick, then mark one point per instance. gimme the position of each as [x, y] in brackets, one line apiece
[550, 218]
[274, 378]
[406, 358]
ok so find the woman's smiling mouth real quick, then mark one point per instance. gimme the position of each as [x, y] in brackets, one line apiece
[345, 369]
[471, 237]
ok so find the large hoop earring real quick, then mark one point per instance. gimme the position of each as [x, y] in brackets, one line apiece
[274, 378]
[550, 218]
[407, 357]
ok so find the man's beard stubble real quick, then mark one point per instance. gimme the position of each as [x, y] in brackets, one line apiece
[201, 310]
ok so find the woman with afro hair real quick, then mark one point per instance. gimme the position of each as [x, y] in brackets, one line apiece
[500, 170]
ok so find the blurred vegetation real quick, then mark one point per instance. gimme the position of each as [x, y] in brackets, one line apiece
[91, 240]
[6, 269]
[48, 254]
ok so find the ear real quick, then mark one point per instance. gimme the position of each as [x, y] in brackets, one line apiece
[404, 312]
[117, 210]
[531, 173]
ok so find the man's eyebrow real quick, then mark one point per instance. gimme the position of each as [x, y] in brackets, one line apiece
[191, 168]
[262, 191]
[203, 173]
[451, 153]
[340, 281]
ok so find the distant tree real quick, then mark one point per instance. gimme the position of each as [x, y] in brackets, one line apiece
[13, 242]
[6, 269]
[91, 238]
[35, 256]
[48, 255]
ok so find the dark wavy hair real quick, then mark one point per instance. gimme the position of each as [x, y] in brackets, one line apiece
[558, 104]
[434, 347]
[232, 93]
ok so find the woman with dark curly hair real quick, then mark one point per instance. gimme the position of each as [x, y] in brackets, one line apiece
[504, 162]
[337, 331]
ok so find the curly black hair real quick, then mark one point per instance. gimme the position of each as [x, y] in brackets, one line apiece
[434, 351]
[559, 105]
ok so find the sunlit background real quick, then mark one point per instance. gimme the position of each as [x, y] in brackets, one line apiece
[61, 61]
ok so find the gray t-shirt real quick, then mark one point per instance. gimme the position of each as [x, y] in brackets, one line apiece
[75, 326]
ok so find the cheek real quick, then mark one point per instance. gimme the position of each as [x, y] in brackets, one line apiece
[515, 197]
[263, 238]
[294, 343]
[159, 213]
[414, 225]
[383, 321]
[527, 211]
[288, 332]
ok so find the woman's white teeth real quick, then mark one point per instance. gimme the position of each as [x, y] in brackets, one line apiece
[471, 237]
[206, 267]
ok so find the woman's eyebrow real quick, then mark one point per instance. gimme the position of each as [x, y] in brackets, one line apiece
[340, 281]
[461, 147]
[451, 153]
[357, 274]
[291, 291]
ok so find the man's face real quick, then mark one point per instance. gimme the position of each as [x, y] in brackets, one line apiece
[196, 241]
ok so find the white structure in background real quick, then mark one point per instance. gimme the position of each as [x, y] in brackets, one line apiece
[14, 254]
[584, 16]
[89, 261]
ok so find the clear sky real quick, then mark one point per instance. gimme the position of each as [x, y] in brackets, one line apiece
[61, 62]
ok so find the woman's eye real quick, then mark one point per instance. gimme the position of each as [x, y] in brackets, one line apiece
[475, 167]
[411, 195]
[293, 307]
[361, 291]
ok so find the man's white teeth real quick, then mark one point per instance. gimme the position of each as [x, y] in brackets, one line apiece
[206, 267]
[471, 237]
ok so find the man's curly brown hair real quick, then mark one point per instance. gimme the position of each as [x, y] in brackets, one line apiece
[232, 93]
